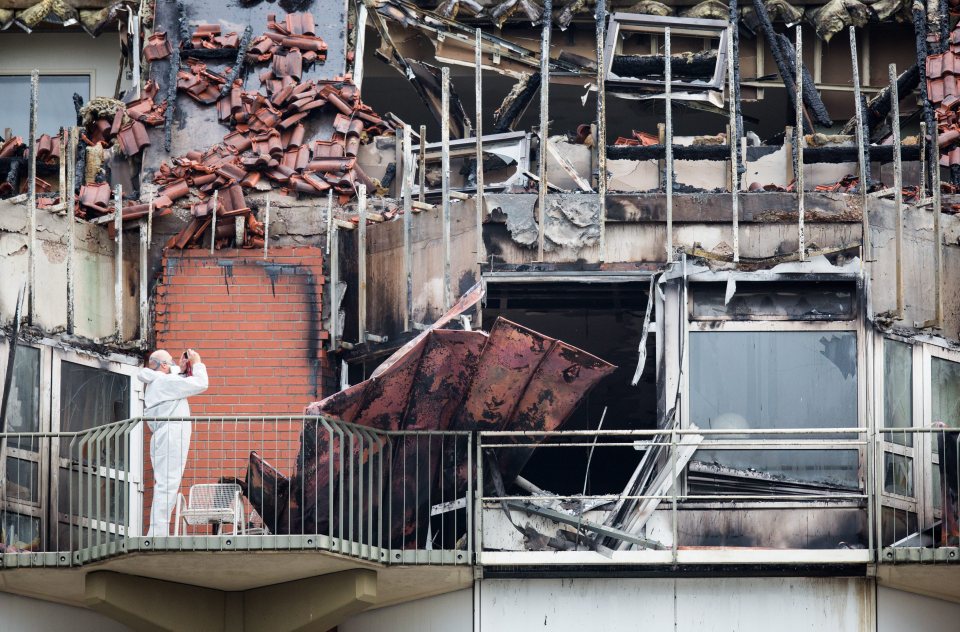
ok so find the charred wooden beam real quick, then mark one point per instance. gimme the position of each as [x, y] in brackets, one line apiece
[878, 107]
[920, 41]
[699, 65]
[809, 89]
[515, 103]
[766, 27]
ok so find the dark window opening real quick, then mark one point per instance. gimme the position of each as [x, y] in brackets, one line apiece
[605, 319]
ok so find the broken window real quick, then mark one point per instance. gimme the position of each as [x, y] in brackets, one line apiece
[898, 390]
[56, 108]
[777, 380]
[763, 300]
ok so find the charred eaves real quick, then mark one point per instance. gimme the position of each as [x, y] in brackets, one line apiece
[516, 102]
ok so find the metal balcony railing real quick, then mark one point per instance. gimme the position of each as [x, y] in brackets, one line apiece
[825, 495]
[675, 496]
[237, 483]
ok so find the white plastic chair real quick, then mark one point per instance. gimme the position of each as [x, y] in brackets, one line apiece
[211, 503]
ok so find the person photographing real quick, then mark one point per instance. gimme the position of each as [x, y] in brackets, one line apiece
[168, 385]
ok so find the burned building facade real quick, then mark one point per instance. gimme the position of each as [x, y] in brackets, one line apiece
[516, 314]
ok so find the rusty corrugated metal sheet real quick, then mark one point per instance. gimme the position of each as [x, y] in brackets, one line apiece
[513, 378]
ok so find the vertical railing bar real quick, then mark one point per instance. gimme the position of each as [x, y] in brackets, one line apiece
[897, 183]
[362, 263]
[118, 260]
[600, 142]
[734, 140]
[422, 166]
[544, 124]
[32, 196]
[405, 184]
[71, 152]
[798, 147]
[445, 183]
[862, 142]
[937, 232]
[478, 133]
[668, 124]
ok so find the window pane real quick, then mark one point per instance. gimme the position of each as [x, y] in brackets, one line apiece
[91, 397]
[781, 301]
[19, 531]
[23, 480]
[55, 99]
[23, 407]
[897, 474]
[782, 379]
[898, 390]
[789, 379]
[945, 391]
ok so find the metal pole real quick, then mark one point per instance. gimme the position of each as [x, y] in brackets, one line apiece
[71, 175]
[668, 125]
[897, 182]
[144, 265]
[923, 160]
[405, 185]
[118, 259]
[266, 229]
[600, 141]
[544, 123]
[445, 174]
[32, 197]
[422, 166]
[937, 231]
[334, 285]
[362, 264]
[862, 143]
[734, 140]
[478, 74]
[329, 220]
[798, 131]
[213, 220]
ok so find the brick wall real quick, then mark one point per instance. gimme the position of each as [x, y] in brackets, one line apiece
[258, 327]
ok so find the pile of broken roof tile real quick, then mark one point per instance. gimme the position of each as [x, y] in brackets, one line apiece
[637, 139]
[943, 77]
[14, 154]
[267, 144]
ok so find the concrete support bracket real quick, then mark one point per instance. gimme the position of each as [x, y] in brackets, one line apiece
[314, 604]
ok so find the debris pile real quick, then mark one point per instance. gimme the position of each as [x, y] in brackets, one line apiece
[944, 95]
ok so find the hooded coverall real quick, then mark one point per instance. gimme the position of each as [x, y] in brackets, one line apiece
[166, 396]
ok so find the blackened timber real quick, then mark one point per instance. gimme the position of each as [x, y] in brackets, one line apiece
[810, 95]
[699, 65]
[811, 155]
[878, 107]
[783, 68]
[515, 103]
[238, 62]
[735, 36]
[920, 41]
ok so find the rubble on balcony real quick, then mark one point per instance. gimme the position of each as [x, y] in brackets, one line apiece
[445, 379]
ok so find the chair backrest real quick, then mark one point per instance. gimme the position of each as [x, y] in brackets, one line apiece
[213, 495]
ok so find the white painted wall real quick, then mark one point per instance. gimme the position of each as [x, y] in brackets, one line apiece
[899, 611]
[678, 605]
[21, 614]
[452, 612]
[66, 53]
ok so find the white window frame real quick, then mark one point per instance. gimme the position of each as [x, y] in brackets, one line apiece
[855, 325]
[52, 354]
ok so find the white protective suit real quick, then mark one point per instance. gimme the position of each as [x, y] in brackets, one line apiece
[166, 396]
